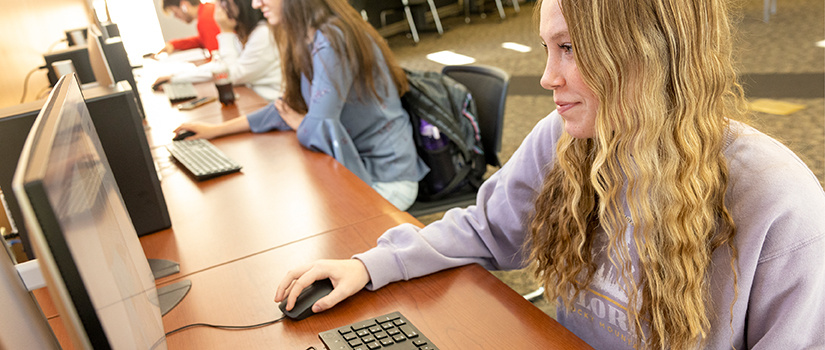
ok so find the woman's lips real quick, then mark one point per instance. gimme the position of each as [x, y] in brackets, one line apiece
[565, 106]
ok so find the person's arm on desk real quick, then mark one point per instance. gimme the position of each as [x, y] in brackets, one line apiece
[275, 116]
[211, 131]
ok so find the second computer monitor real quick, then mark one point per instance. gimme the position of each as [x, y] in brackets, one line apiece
[89, 253]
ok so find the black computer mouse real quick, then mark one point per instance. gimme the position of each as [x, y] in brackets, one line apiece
[307, 298]
[183, 135]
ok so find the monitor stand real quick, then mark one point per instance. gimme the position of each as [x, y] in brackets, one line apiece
[162, 267]
[170, 295]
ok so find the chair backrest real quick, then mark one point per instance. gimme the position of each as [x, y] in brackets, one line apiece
[489, 88]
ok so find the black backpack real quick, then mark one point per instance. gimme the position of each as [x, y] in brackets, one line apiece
[448, 105]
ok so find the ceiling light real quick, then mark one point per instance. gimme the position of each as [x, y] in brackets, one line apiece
[450, 58]
[516, 47]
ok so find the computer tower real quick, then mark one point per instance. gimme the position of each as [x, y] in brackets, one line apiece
[119, 63]
[119, 124]
[79, 55]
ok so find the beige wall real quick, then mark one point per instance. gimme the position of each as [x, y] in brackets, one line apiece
[27, 30]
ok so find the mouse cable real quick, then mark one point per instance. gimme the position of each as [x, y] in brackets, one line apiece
[193, 325]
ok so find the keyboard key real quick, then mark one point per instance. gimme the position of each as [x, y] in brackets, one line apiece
[408, 331]
[363, 324]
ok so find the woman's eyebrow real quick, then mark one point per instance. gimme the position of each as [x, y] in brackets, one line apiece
[559, 35]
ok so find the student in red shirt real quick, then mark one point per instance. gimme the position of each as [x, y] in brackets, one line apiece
[188, 11]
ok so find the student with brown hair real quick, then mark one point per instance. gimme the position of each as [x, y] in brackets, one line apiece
[342, 96]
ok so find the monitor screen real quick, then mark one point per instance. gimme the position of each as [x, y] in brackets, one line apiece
[89, 253]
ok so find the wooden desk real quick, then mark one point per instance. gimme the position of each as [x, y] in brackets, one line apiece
[462, 308]
[283, 194]
[236, 236]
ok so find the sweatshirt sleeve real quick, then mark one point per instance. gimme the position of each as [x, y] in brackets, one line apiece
[252, 61]
[786, 308]
[492, 232]
[778, 207]
[266, 119]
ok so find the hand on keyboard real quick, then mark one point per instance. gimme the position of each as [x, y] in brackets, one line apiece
[158, 84]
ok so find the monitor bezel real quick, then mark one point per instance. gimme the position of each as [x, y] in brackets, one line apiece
[45, 231]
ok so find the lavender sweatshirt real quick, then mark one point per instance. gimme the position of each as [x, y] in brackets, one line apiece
[777, 204]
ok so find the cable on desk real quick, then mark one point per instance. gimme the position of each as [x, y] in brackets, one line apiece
[267, 323]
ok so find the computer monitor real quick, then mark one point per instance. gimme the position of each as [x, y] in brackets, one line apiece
[118, 60]
[88, 250]
[97, 59]
[83, 57]
[78, 36]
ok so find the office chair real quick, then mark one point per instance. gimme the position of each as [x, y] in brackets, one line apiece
[489, 88]
[499, 6]
[769, 9]
[411, 21]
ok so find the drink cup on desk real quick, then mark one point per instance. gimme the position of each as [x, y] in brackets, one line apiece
[221, 76]
[225, 93]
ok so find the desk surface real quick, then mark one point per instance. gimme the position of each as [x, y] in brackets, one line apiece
[462, 308]
[283, 194]
[235, 237]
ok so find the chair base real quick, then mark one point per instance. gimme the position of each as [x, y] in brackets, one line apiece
[535, 295]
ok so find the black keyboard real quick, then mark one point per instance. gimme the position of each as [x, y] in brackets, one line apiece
[177, 92]
[392, 331]
[202, 159]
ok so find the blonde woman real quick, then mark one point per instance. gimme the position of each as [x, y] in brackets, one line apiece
[651, 215]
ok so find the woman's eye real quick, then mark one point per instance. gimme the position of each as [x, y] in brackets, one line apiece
[566, 47]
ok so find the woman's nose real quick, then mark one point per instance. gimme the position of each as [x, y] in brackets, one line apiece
[552, 78]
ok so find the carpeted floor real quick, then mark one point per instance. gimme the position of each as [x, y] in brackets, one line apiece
[778, 60]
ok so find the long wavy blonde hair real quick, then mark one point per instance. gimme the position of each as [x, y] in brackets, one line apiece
[663, 73]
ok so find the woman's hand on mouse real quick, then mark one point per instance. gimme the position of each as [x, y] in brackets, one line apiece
[348, 277]
[201, 130]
